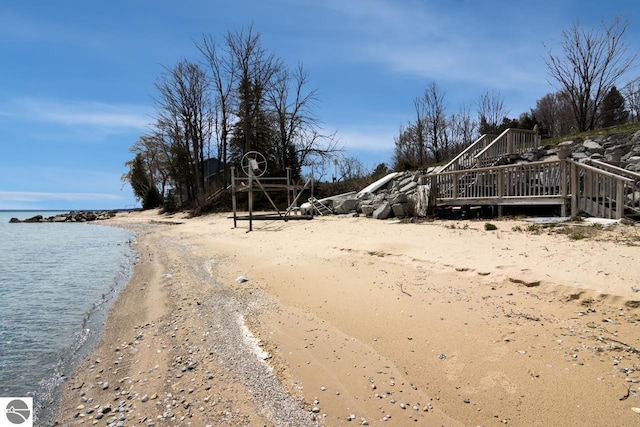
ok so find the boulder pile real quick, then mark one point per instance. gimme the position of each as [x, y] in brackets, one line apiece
[73, 216]
[392, 196]
[622, 150]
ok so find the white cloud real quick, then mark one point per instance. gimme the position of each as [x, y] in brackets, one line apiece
[33, 196]
[94, 114]
[445, 42]
[373, 138]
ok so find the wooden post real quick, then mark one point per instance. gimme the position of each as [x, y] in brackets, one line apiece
[454, 177]
[289, 190]
[433, 193]
[619, 199]
[575, 190]
[500, 190]
[563, 187]
[250, 198]
[233, 196]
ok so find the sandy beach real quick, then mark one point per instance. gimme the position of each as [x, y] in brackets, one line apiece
[353, 321]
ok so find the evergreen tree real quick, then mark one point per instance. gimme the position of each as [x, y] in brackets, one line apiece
[612, 110]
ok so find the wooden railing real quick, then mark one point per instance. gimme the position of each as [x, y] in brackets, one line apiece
[508, 143]
[602, 193]
[523, 181]
[595, 191]
[467, 158]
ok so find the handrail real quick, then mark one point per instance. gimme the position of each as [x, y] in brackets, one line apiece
[458, 161]
[603, 172]
[615, 169]
[511, 141]
[601, 193]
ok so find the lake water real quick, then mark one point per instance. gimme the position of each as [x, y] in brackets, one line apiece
[56, 282]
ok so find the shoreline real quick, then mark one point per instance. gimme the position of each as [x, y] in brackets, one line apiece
[439, 323]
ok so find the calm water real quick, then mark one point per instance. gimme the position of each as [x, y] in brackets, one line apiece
[56, 281]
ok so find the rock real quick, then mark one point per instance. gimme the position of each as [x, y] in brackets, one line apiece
[367, 210]
[409, 187]
[345, 206]
[37, 218]
[383, 212]
[592, 145]
[14, 221]
[399, 210]
[398, 198]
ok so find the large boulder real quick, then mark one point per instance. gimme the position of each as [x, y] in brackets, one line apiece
[367, 210]
[398, 198]
[399, 210]
[37, 218]
[345, 206]
[383, 212]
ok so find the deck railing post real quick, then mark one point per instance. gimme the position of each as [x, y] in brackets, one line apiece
[433, 193]
[233, 196]
[456, 183]
[563, 187]
[575, 191]
[619, 198]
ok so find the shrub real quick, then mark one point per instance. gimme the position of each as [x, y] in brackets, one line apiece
[490, 227]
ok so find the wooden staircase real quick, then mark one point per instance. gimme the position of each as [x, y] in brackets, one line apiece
[482, 175]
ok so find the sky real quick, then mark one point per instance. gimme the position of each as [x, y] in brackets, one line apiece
[77, 77]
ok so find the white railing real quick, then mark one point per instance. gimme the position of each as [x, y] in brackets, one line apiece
[602, 193]
[466, 159]
[596, 191]
[526, 181]
[508, 143]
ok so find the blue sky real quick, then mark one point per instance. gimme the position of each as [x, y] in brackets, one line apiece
[77, 77]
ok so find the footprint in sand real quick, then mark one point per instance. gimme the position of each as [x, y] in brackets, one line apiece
[453, 367]
[499, 352]
[497, 378]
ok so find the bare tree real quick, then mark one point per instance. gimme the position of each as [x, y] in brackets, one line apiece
[184, 116]
[433, 136]
[589, 65]
[491, 111]
[461, 130]
[298, 140]
[223, 78]
[631, 92]
[154, 158]
[351, 168]
[554, 114]
[434, 107]
[256, 71]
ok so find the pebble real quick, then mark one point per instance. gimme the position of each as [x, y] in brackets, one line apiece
[636, 410]
[105, 385]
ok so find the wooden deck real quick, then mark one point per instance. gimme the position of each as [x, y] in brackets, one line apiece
[574, 187]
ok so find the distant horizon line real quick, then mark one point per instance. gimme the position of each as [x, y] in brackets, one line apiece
[67, 210]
